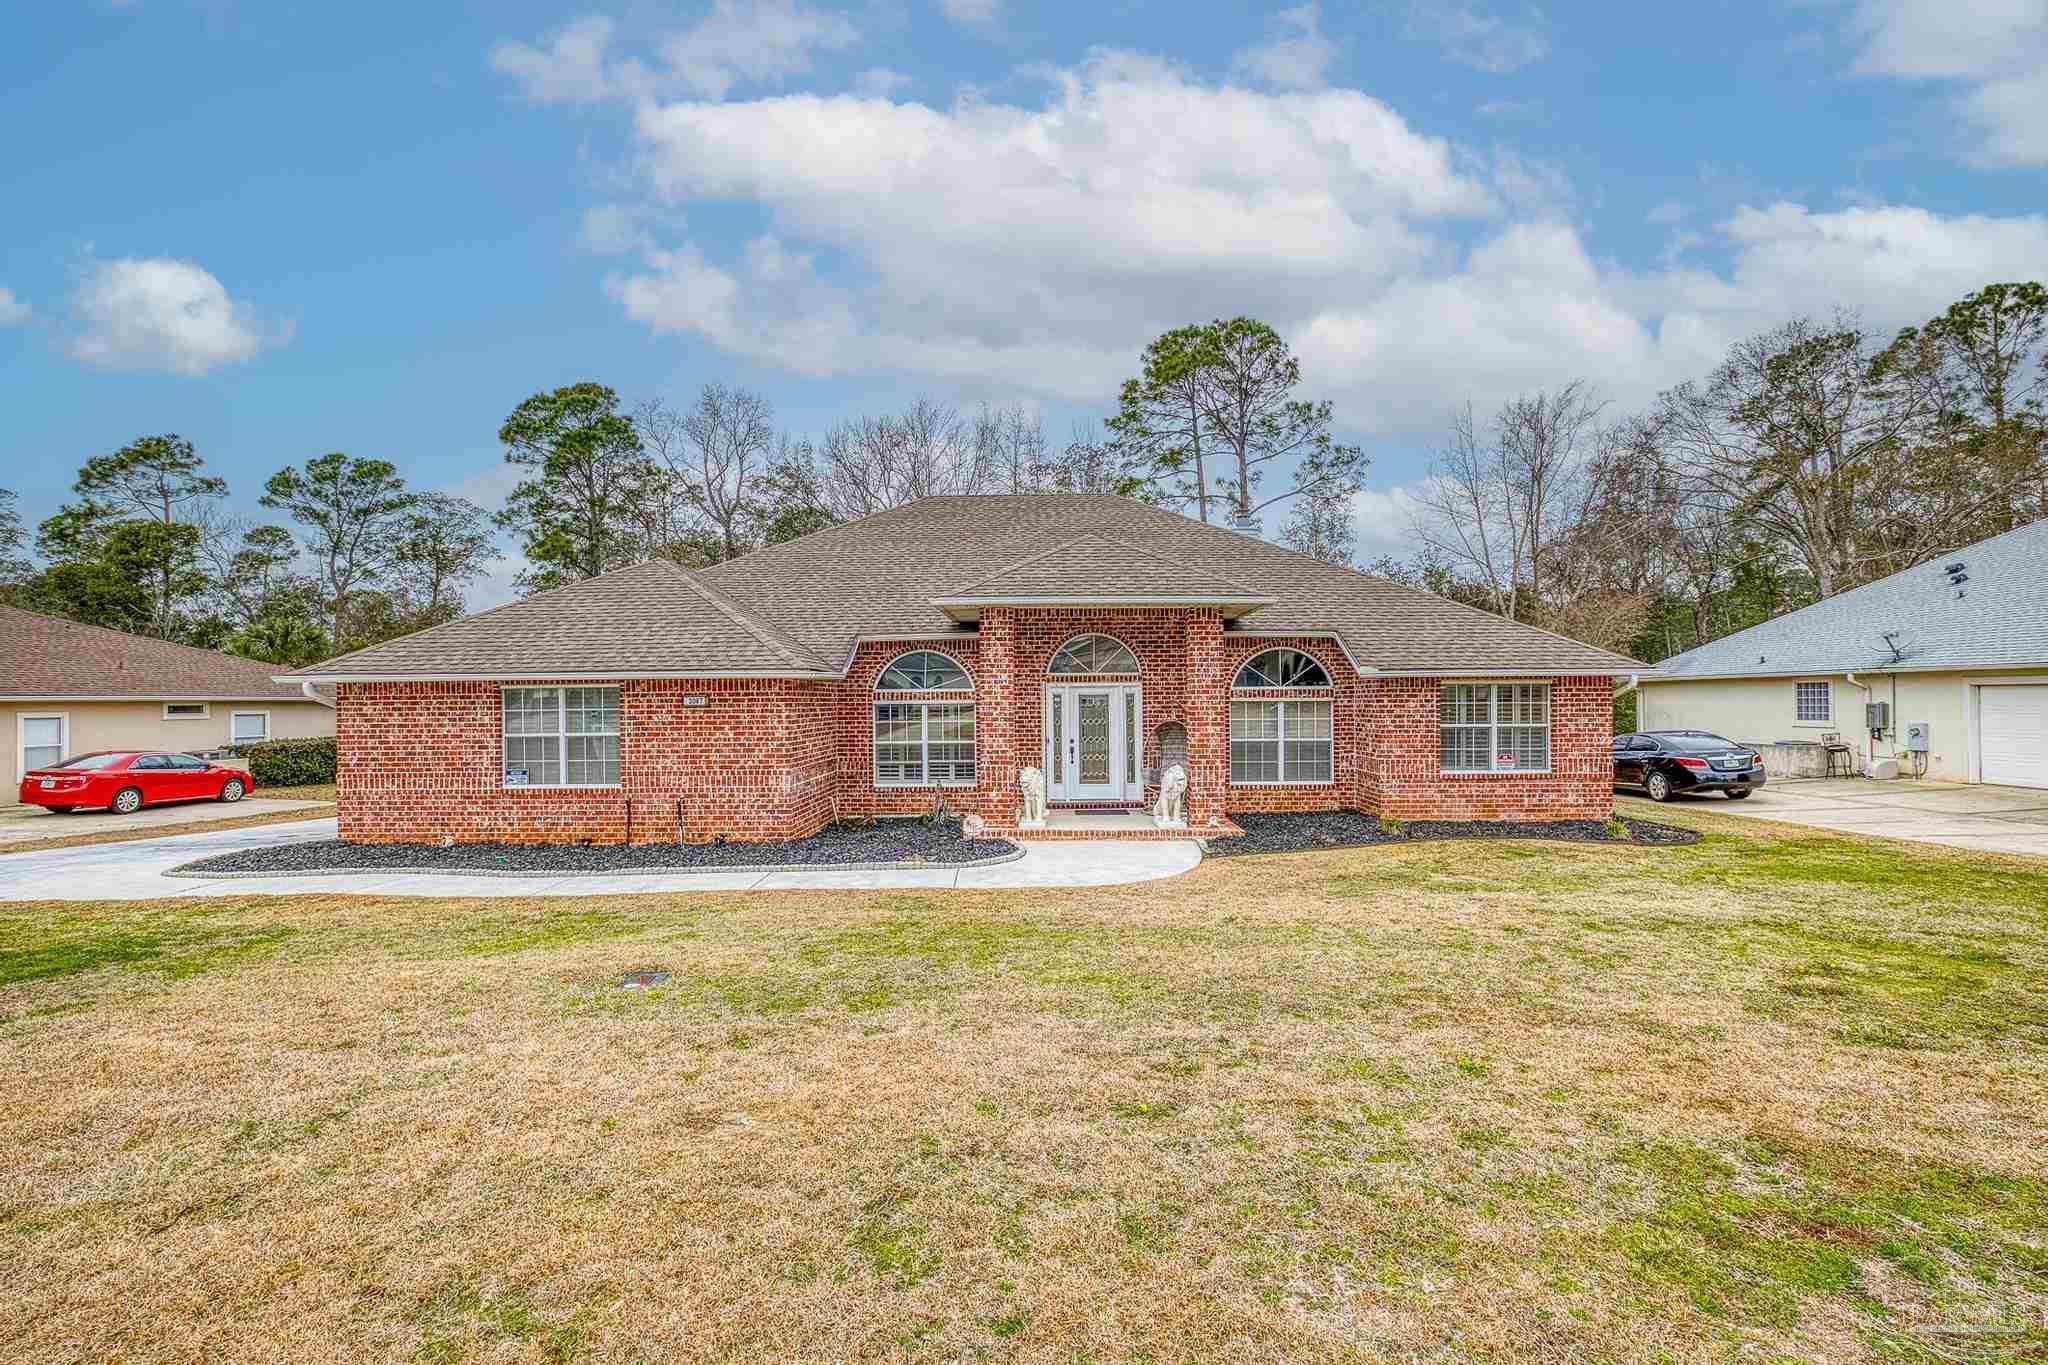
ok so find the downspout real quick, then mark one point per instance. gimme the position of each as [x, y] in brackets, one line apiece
[312, 695]
[1869, 740]
[1628, 686]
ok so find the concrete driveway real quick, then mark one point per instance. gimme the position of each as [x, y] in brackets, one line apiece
[26, 824]
[1994, 819]
[136, 870]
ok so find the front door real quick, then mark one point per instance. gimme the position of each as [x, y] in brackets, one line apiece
[1090, 739]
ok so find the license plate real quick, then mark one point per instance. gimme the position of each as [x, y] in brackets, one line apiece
[1732, 764]
[48, 784]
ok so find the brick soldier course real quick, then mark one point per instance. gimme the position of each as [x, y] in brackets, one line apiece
[746, 694]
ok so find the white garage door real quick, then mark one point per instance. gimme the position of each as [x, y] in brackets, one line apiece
[2013, 722]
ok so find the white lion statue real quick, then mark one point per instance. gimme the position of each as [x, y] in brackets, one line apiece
[1031, 782]
[1172, 806]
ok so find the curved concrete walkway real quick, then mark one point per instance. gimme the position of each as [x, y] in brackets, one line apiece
[135, 871]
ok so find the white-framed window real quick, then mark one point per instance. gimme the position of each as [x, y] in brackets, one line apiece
[249, 727]
[924, 744]
[1092, 656]
[187, 710]
[1279, 743]
[923, 670]
[1495, 728]
[41, 739]
[1281, 668]
[1813, 703]
[560, 736]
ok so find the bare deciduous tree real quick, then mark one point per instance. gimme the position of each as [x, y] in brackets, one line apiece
[872, 464]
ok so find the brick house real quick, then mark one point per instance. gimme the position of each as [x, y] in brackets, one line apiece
[937, 649]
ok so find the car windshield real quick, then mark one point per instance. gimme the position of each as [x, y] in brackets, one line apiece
[89, 762]
[1697, 744]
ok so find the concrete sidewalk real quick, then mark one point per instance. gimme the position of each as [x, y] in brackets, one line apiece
[27, 824]
[1991, 819]
[135, 871]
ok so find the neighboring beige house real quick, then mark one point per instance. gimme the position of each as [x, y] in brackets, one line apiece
[66, 688]
[1957, 646]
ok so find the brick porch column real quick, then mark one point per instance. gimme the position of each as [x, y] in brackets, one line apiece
[1208, 717]
[995, 714]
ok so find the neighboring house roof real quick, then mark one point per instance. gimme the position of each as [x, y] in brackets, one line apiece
[653, 619]
[802, 607]
[47, 658]
[1997, 619]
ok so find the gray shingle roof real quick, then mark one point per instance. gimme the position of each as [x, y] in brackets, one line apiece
[1094, 568]
[1998, 619]
[803, 606]
[878, 576]
[48, 656]
[655, 617]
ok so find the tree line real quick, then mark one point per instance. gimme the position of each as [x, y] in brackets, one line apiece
[147, 547]
[1815, 457]
[356, 556]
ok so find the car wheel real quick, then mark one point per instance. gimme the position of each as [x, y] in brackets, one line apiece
[1738, 793]
[1658, 786]
[127, 801]
[231, 790]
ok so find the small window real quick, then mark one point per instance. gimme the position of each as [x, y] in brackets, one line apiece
[1813, 702]
[185, 763]
[1091, 655]
[150, 763]
[924, 744]
[1281, 668]
[1494, 728]
[923, 670]
[251, 727]
[43, 740]
[561, 736]
[187, 710]
[1279, 742]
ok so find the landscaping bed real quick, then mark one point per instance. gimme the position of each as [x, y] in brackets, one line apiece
[886, 844]
[1295, 831]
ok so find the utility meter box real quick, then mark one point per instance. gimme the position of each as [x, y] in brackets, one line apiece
[1916, 737]
[1877, 716]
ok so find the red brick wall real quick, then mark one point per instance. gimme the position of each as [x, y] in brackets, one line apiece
[777, 758]
[423, 761]
[1401, 777]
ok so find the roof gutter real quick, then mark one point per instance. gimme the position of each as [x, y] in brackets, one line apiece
[314, 696]
[544, 676]
[1634, 680]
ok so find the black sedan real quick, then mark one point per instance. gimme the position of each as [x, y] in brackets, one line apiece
[1663, 763]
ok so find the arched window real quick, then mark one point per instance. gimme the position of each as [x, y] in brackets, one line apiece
[922, 670]
[1091, 654]
[1281, 668]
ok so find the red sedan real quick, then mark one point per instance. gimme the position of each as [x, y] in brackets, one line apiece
[125, 780]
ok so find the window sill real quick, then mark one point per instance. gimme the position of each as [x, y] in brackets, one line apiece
[1318, 782]
[925, 786]
[1493, 772]
[561, 786]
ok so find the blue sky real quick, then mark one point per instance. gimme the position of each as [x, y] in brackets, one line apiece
[285, 229]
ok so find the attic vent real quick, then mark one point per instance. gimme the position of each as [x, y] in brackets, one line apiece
[1957, 576]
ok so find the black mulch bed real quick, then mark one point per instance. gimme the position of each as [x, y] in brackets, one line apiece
[890, 841]
[1294, 832]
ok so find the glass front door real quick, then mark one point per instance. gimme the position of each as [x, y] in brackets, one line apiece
[1090, 743]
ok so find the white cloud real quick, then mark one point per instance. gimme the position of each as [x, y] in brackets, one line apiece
[1036, 245]
[735, 42]
[972, 13]
[156, 313]
[13, 311]
[880, 82]
[614, 230]
[1384, 520]
[1510, 109]
[570, 68]
[1474, 38]
[753, 40]
[1994, 52]
[1296, 54]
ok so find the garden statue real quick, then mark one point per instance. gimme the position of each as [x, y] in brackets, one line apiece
[1172, 806]
[1032, 783]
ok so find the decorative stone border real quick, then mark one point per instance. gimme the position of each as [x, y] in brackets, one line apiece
[552, 874]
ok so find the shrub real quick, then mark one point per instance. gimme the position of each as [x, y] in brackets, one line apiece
[1389, 825]
[290, 762]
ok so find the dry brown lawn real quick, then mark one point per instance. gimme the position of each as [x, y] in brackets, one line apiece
[1777, 1096]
